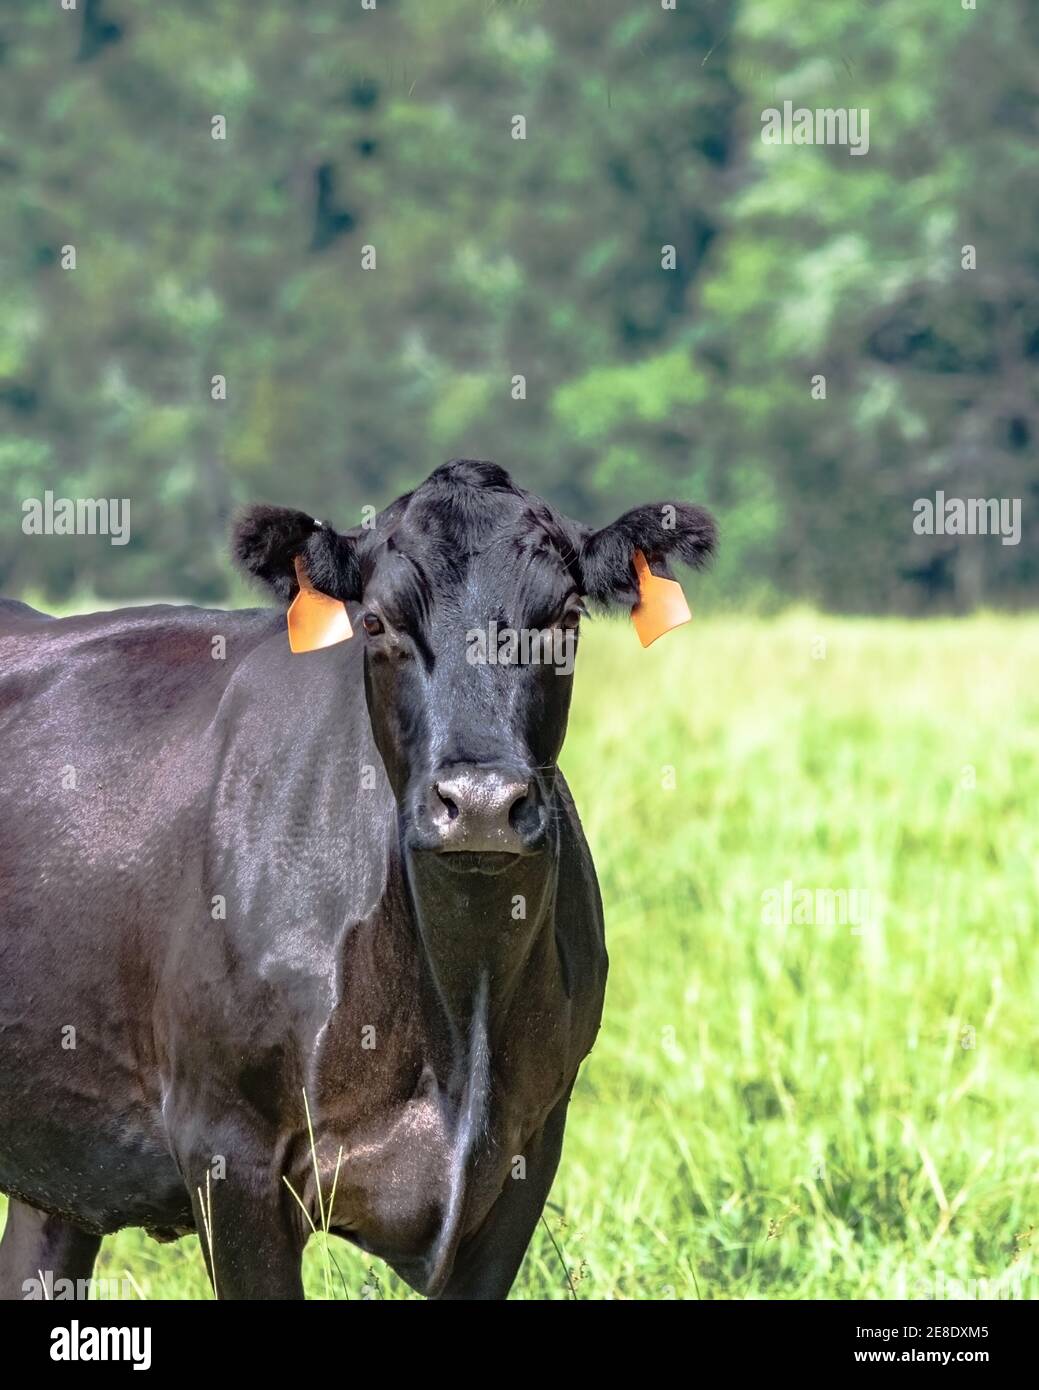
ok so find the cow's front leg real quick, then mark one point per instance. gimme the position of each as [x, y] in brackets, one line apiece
[38, 1250]
[250, 1228]
[487, 1263]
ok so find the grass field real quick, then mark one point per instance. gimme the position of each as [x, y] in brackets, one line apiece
[781, 1104]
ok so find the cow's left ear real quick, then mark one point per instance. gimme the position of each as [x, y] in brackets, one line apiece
[662, 531]
[266, 541]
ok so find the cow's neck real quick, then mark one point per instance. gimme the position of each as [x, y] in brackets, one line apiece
[481, 933]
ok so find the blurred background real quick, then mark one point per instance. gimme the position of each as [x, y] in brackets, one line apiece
[541, 257]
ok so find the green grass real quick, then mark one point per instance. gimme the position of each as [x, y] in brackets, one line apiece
[789, 1110]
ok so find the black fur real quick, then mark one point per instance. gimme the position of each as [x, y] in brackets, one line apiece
[607, 558]
[266, 540]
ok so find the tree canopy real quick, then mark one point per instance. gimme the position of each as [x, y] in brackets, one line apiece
[319, 248]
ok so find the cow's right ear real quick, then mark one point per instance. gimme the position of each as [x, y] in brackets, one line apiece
[265, 542]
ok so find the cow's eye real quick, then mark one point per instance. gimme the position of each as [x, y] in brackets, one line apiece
[372, 624]
[573, 615]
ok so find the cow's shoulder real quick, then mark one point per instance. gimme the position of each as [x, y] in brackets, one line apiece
[129, 662]
[14, 612]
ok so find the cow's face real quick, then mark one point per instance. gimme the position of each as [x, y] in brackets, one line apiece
[471, 595]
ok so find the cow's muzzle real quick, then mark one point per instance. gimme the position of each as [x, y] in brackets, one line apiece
[474, 809]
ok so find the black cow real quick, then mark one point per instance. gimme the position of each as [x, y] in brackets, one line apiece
[246, 893]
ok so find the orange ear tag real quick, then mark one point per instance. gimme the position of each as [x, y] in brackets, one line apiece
[661, 604]
[315, 620]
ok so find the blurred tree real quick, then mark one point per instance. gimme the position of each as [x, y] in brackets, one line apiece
[319, 250]
[853, 267]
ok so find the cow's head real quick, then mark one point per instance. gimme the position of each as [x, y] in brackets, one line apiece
[471, 594]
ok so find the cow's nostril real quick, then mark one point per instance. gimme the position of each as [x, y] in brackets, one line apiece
[452, 807]
[519, 806]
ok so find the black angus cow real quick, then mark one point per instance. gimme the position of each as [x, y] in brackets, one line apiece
[244, 893]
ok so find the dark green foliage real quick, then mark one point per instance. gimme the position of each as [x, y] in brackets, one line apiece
[541, 257]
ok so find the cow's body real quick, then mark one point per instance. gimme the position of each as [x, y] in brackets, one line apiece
[192, 880]
[301, 939]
